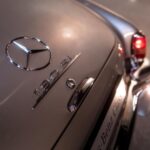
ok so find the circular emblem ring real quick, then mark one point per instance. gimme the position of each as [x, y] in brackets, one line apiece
[28, 53]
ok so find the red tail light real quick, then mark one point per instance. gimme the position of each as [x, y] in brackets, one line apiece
[139, 46]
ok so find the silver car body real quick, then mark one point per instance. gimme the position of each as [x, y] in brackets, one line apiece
[56, 55]
[121, 27]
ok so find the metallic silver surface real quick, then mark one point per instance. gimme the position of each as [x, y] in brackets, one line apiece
[110, 123]
[80, 94]
[134, 10]
[69, 29]
[137, 12]
[28, 53]
[54, 76]
[71, 83]
[123, 28]
[78, 131]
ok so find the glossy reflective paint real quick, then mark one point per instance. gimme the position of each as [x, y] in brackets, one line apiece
[68, 30]
[123, 28]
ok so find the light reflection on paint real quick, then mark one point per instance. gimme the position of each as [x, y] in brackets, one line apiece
[133, 1]
[68, 33]
[121, 91]
[148, 90]
[141, 113]
[128, 34]
[135, 100]
[144, 105]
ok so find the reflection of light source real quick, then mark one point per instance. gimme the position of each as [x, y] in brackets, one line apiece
[128, 34]
[21, 47]
[148, 90]
[121, 91]
[67, 33]
[132, 1]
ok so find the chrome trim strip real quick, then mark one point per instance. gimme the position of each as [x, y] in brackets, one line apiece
[110, 122]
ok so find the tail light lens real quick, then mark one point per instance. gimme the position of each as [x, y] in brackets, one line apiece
[139, 46]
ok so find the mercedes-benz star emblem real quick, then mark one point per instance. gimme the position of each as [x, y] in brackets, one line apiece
[28, 53]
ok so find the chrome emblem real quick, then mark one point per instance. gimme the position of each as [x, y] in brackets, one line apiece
[71, 83]
[54, 76]
[28, 53]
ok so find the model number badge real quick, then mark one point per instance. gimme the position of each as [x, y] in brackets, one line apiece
[54, 76]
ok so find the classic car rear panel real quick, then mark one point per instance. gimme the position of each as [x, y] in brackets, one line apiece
[69, 30]
[95, 108]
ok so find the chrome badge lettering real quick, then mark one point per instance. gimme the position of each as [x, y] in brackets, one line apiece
[54, 76]
[25, 53]
[111, 119]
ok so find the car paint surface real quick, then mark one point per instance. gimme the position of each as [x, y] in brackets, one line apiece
[121, 27]
[69, 30]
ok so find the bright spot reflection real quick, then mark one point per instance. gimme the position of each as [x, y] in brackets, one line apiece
[148, 90]
[139, 44]
[146, 62]
[21, 46]
[121, 91]
[144, 102]
[128, 34]
[141, 113]
[67, 33]
[132, 1]
[135, 100]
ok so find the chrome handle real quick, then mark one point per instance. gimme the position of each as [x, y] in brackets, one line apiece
[80, 93]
